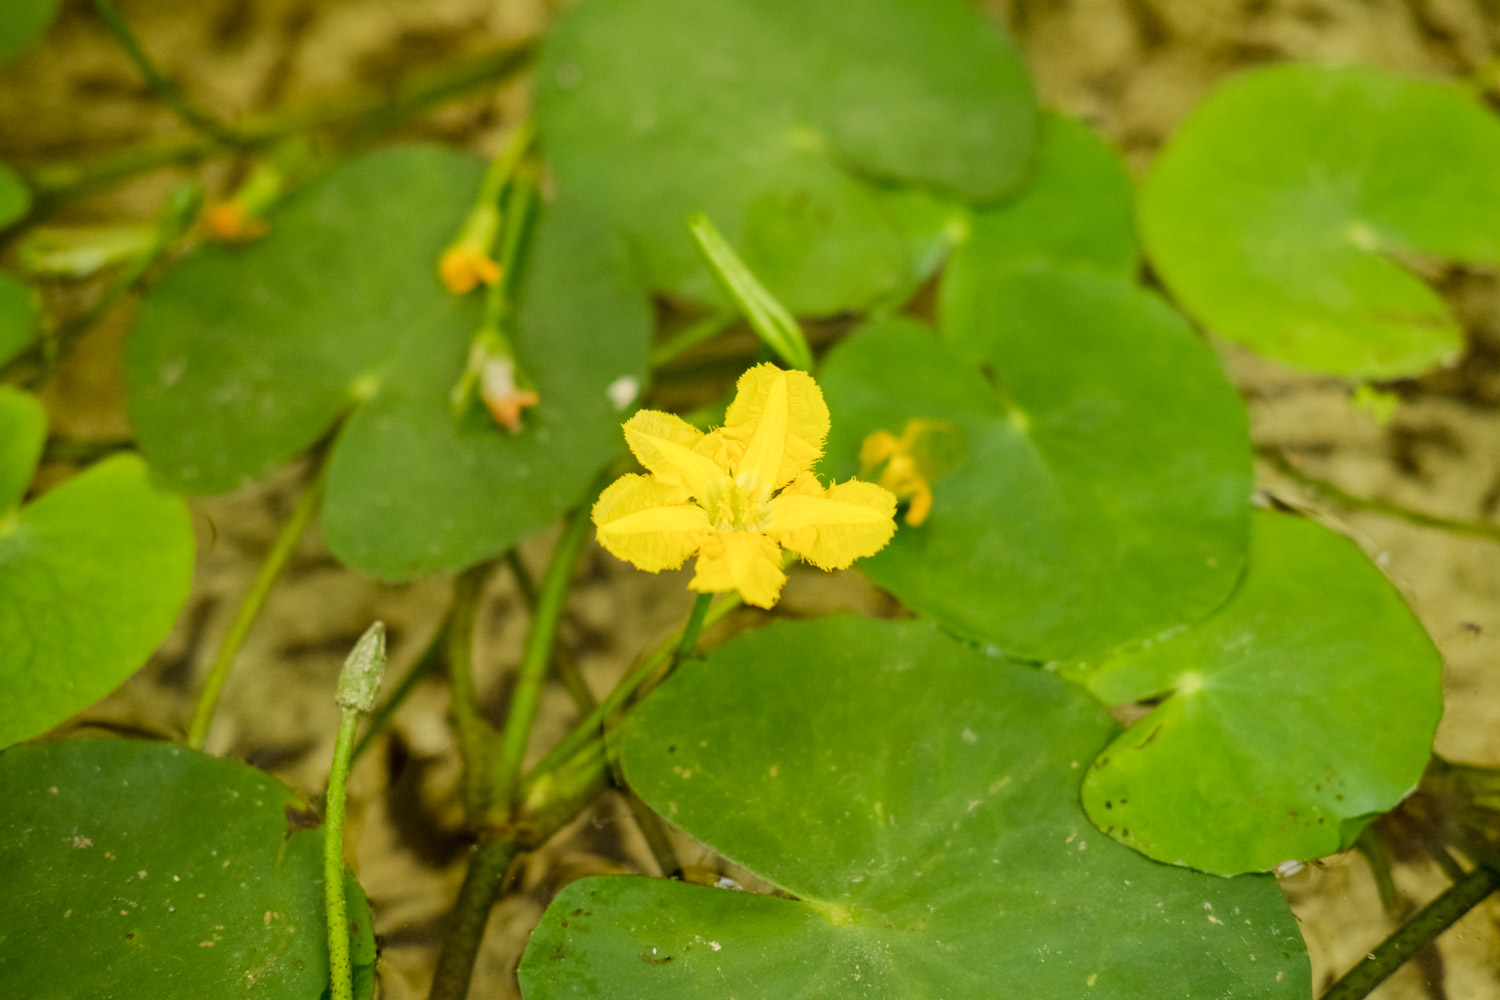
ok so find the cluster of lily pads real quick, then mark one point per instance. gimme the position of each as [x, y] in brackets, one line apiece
[944, 804]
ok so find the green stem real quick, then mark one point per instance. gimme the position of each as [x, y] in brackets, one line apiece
[1374, 505]
[692, 629]
[650, 669]
[239, 629]
[526, 697]
[165, 89]
[466, 922]
[340, 971]
[1418, 932]
[691, 336]
[475, 736]
[380, 106]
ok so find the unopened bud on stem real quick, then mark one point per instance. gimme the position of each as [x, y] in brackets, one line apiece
[359, 681]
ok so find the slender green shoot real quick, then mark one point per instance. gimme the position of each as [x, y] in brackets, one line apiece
[265, 580]
[771, 321]
[526, 697]
[169, 93]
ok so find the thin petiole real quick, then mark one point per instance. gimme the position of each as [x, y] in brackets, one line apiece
[265, 580]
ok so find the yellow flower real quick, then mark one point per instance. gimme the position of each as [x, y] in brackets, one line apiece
[737, 496]
[464, 268]
[908, 465]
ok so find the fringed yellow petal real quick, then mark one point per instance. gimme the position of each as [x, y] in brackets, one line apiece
[805, 424]
[760, 466]
[665, 444]
[645, 522]
[832, 528]
[740, 560]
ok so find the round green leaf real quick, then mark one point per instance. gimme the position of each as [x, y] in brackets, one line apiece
[22, 22]
[15, 196]
[144, 870]
[92, 576]
[1302, 708]
[1285, 212]
[925, 817]
[1103, 491]
[19, 316]
[243, 358]
[1077, 209]
[770, 116]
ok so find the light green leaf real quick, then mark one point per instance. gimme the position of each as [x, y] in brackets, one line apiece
[15, 196]
[1104, 491]
[917, 801]
[155, 871]
[1303, 707]
[20, 316]
[91, 577]
[771, 117]
[1290, 210]
[243, 358]
[22, 22]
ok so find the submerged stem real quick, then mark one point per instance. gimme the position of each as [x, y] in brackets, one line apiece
[265, 580]
[475, 736]
[1414, 935]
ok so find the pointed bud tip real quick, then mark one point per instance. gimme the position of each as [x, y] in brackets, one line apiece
[359, 681]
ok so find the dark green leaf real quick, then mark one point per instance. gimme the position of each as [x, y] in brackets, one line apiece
[242, 358]
[918, 801]
[154, 871]
[770, 116]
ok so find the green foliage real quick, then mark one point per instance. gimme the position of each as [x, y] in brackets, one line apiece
[15, 197]
[923, 816]
[91, 577]
[22, 22]
[156, 871]
[1302, 708]
[19, 316]
[771, 117]
[1103, 494]
[243, 358]
[1291, 209]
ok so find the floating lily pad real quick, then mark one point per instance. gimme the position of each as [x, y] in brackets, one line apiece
[19, 316]
[160, 872]
[243, 358]
[15, 196]
[22, 22]
[1290, 211]
[771, 117]
[1104, 493]
[92, 576]
[925, 819]
[1293, 715]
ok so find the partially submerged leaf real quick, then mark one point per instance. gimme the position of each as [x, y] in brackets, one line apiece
[1104, 493]
[19, 316]
[92, 576]
[244, 357]
[157, 871]
[923, 819]
[1288, 211]
[770, 117]
[1304, 706]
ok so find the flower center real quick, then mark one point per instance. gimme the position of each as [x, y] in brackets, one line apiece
[733, 507]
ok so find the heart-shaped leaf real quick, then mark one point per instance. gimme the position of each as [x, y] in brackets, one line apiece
[1285, 213]
[157, 872]
[1302, 708]
[924, 814]
[91, 577]
[19, 316]
[243, 358]
[767, 116]
[1103, 494]
[22, 22]
[15, 196]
